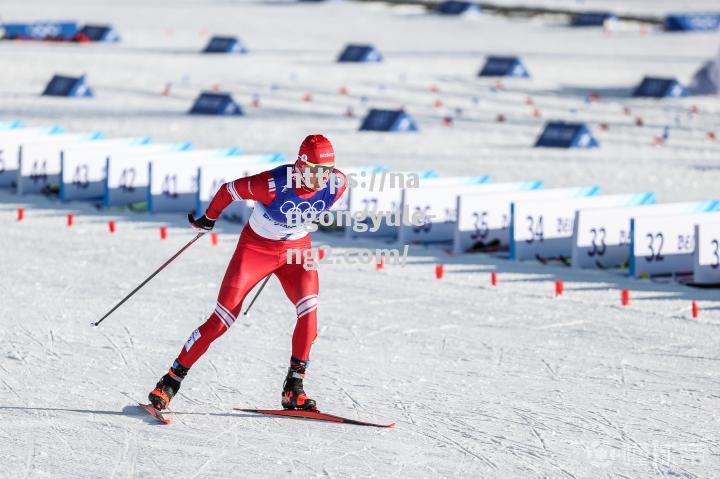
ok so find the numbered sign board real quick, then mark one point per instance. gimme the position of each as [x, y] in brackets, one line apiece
[378, 195]
[83, 170]
[541, 229]
[602, 235]
[39, 167]
[10, 142]
[661, 245]
[437, 205]
[706, 268]
[484, 219]
[174, 182]
[354, 174]
[128, 177]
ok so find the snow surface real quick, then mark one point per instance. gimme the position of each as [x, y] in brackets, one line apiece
[482, 381]
[647, 8]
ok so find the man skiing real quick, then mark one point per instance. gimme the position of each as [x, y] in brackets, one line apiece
[311, 183]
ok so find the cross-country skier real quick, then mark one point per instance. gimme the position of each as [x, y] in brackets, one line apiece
[311, 183]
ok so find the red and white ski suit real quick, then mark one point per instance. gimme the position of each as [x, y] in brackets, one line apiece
[261, 251]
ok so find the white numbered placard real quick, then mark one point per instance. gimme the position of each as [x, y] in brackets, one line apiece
[602, 235]
[484, 219]
[83, 170]
[542, 229]
[437, 206]
[10, 141]
[382, 197]
[174, 182]
[706, 268]
[664, 245]
[40, 162]
[353, 175]
[128, 179]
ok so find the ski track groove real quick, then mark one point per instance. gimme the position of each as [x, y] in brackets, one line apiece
[116, 348]
[59, 434]
[11, 389]
[123, 453]
[356, 404]
[38, 342]
[455, 444]
[551, 372]
[131, 343]
[624, 439]
[30, 461]
[222, 451]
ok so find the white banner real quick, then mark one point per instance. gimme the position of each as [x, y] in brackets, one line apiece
[543, 229]
[438, 207]
[664, 244]
[174, 181]
[83, 170]
[128, 178]
[602, 235]
[354, 174]
[376, 197]
[10, 141]
[40, 161]
[706, 269]
[484, 219]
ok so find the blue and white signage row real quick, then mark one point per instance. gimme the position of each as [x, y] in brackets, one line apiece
[576, 224]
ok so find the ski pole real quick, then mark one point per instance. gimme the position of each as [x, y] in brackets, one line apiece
[149, 278]
[267, 278]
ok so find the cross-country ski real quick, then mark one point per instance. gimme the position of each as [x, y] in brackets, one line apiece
[314, 415]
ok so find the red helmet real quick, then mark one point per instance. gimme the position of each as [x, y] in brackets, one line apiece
[316, 151]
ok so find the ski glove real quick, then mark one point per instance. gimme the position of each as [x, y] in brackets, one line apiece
[201, 223]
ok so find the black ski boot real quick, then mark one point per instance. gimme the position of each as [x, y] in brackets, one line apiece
[168, 386]
[293, 396]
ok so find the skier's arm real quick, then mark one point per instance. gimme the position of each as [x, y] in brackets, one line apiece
[258, 187]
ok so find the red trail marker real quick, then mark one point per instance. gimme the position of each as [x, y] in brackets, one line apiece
[625, 297]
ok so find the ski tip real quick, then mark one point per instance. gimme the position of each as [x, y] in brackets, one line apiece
[155, 413]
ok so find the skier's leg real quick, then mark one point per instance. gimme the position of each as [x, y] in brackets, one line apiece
[301, 287]
[247, 267]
